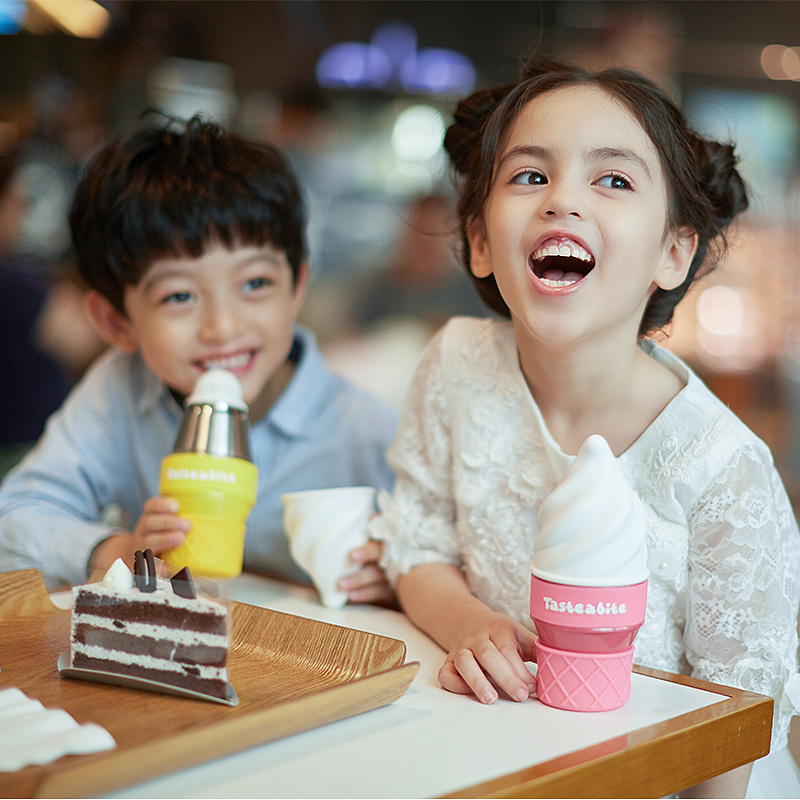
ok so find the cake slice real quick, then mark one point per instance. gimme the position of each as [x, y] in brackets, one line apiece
[146, 626]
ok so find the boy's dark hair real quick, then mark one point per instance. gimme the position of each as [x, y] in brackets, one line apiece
[172, 188]
[705, 189]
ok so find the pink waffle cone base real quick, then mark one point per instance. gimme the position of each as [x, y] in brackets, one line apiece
[583, 681]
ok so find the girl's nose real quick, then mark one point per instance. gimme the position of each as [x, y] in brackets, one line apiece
[562, 201]
[556, 212]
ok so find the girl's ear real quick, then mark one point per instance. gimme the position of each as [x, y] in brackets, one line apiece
[672, 272]
[480, 262]
[112, 325]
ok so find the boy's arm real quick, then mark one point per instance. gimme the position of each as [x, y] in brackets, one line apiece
[51, 504]
[485, 648]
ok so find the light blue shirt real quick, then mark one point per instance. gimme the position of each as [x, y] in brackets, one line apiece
[104, 448]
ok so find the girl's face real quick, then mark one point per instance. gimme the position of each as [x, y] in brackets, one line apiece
[234, 309]
[575, 226]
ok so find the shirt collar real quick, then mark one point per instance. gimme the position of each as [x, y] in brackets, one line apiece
[292, 412]
[305, 394]
[152, 391]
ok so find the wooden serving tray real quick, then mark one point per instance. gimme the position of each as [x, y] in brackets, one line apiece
[291, 674]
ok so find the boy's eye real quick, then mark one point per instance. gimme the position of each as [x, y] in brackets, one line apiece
[257, 283]
[177, 297]
[614, 181]
[529, 178]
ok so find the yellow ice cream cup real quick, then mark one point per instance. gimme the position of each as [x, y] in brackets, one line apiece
[216, 493]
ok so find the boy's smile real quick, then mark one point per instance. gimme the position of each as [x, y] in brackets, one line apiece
[234, 309]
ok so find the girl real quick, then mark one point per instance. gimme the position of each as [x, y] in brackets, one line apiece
[587, 209]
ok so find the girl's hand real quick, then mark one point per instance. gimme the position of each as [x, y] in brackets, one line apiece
[159, 528]
[489, 654]
[368, 584]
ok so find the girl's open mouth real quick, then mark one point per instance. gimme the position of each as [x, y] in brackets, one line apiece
[560, 263]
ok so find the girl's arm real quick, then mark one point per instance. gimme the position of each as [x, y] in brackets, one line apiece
[486, 649]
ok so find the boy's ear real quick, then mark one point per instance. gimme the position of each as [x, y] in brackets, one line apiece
[111, 324]
[675, 267]
[301, 284]
[480, 262]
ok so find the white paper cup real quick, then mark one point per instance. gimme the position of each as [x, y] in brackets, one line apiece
[324, 526]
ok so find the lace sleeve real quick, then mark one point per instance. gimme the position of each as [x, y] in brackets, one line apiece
[418, 521]
[741, 626]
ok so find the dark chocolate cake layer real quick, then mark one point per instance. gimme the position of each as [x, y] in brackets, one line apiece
[162, 613]
[190, 653]
[214, 687]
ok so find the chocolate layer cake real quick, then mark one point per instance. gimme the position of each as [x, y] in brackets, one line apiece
[145, 628]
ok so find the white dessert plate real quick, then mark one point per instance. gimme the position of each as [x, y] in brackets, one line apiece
[98, 676]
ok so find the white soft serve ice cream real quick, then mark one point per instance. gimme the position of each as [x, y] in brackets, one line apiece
[592, 525]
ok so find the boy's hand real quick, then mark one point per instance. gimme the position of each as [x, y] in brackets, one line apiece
[369, 584]
[159, 528]
[490, 653]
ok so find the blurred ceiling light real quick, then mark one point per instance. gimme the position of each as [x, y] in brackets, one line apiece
[84, 18]
[353, 64]
[720, 310]
[12, 15]
[781, 63]
[417, 133]
[435, 70]
[730, 330]
[771, 61]
[790, 61]
[397, 40]
[392, 60]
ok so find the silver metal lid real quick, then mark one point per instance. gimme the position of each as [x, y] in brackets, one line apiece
[215, 421]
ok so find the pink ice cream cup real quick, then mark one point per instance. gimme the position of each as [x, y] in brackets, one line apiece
[585, 650]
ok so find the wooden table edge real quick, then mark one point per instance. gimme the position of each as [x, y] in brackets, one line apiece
[705, 742]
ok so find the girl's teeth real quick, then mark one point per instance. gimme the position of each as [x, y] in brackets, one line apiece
[557, 281]
[565, 249]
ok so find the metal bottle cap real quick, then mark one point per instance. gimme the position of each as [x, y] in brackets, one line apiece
[215, 421]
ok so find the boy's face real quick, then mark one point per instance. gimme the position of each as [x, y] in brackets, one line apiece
[234, 309]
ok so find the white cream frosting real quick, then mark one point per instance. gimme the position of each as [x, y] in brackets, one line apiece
[118, 577]
[592, 525]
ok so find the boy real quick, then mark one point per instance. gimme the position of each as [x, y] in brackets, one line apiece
[191, 241]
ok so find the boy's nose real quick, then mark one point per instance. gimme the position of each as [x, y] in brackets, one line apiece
[220, 323]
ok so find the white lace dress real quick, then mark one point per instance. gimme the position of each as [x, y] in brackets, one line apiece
[474, 460]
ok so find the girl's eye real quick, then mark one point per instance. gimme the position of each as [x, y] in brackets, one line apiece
[529, 178]
[614, 181]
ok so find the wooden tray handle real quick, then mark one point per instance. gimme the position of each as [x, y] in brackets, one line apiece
[23, 593]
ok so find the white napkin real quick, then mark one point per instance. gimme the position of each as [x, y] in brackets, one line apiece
[323, 526]
[33, 734]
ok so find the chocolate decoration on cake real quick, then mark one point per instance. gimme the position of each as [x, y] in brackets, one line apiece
[144, 570]
[183, 585]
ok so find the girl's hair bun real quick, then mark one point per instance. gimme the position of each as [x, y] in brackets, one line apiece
[464, 134]
[721, 181]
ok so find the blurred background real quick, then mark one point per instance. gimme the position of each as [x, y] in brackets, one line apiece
[358, 94]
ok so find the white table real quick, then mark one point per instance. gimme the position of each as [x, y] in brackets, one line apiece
[433, 743]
